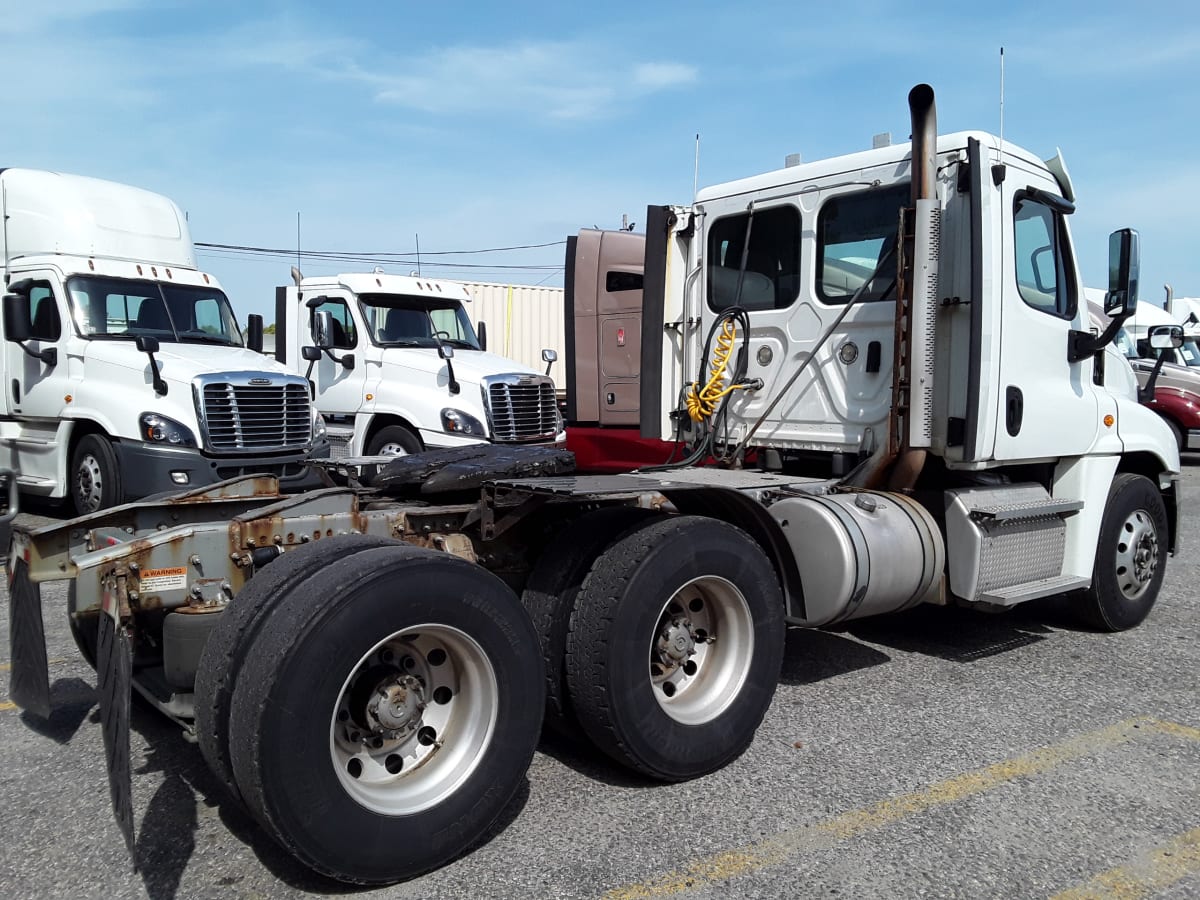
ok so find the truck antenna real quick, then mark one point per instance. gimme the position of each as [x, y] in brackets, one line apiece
[696, 170]
[1000, 169]
[297, 239]
[418, 237]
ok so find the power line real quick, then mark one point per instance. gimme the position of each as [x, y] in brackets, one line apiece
[373, 254]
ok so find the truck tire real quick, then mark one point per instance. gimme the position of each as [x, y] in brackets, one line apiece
[394, 440]
[95, 478]
[1131, 556]
[224, 652]
[386, 713]
[553, 586]
[675, 647]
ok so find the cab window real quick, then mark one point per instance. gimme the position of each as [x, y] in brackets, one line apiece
[1041, 256]
[345, 335]
[45, 324]
[772, 276]
[855, 235]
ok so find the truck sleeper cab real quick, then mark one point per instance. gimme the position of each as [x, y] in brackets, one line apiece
[125, 370]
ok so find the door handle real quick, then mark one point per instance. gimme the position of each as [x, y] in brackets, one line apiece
[1014, 410]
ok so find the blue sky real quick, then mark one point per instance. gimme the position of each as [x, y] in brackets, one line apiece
[479, 126]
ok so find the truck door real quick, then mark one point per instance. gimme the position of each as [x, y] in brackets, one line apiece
[36, 390]
[1047, 404]
[340, 391]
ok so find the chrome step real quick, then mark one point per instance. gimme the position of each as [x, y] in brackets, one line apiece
[1032, 590]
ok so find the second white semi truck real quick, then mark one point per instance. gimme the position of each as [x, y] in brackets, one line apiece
[398, 367]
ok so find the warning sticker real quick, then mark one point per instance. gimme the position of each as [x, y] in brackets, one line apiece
[173, 579]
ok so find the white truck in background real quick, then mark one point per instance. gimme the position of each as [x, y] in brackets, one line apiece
[124, 370]
[397, 367]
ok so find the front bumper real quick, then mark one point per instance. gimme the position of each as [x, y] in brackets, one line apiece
[153, 468]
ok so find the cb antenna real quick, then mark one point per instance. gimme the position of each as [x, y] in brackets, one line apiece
[417, 235]
[998, 170]
[696, 170]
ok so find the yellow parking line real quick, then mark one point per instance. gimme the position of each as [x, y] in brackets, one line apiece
[7, 667]
[781, 847]
[7, 705]
[1154, 871]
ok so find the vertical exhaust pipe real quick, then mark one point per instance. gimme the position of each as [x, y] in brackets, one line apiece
[917, 351]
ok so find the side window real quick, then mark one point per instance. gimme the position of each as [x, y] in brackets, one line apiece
[772, 276]
[345, 336]
[854, 233]
[45, 324]
[1040, 254]
[622, 281]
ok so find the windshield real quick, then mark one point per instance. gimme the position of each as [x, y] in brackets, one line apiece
[1125, 344]
[120, 308]
[396, 320]
[1188, 354]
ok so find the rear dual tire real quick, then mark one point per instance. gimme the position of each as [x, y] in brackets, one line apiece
[385, 711]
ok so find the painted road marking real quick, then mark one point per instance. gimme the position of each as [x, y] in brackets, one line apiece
[1153, 871]
[7, 667]
[778, 849]
[7, 705]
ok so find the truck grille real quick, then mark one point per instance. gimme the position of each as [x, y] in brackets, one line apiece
[256, 417]
[521, 407]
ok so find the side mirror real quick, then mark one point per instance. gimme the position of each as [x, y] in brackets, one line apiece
[446, 352]
[322, 329]
[310, 354]
[549, 357]
[1124, 256]
[254, 332]
[1165, 337]
[481, 333]
[146, 343]
[17, 323]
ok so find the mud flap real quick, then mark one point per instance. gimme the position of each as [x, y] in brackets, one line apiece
[114, 669]
[29, 681]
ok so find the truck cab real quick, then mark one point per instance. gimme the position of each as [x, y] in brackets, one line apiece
[125, 370]
[397, 367]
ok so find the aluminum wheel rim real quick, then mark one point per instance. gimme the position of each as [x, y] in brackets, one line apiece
[436, 704]
[391, 448]
[701, 650]
[90, 481]
[1137, 554]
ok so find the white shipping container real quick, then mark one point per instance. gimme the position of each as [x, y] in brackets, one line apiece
[522, 320]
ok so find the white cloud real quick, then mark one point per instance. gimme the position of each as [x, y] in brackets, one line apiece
[663, 75]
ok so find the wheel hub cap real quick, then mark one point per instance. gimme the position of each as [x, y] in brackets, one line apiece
[1137, 554]
[395, 708]
[677, 642]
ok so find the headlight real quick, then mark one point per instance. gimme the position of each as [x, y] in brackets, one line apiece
[160, 430]
[318, 428]
[459, 422]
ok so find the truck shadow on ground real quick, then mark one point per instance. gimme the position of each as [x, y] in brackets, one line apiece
[71, 699]
[166, 836]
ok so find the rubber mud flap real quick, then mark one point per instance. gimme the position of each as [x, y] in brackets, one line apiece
[114, 668]
[29, 682]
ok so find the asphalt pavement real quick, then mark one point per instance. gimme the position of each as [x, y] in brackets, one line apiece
[940, 753]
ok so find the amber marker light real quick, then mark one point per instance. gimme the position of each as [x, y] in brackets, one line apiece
[68, 398]
[1108, 421]
[370, 396]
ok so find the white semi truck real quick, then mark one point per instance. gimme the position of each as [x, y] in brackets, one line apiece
[124, 370]
[910, 319]
[398, 368]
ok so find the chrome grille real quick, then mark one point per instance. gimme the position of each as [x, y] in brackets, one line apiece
[521, 407]
[256, 417]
